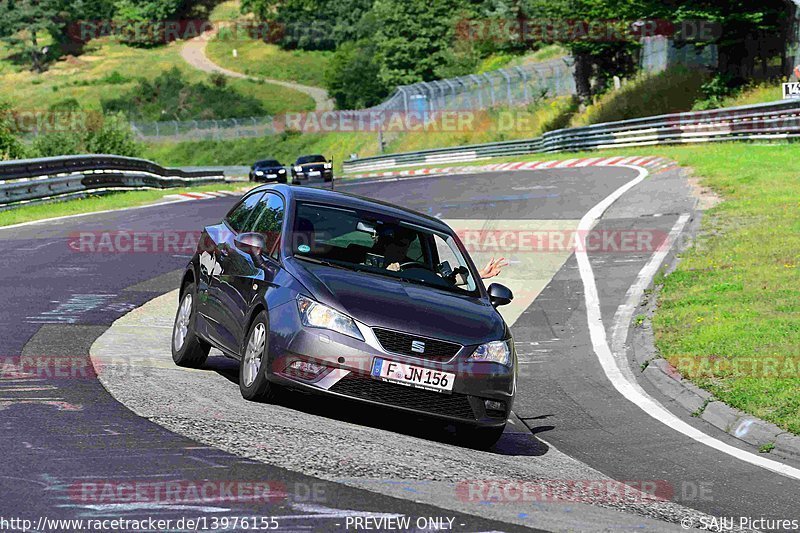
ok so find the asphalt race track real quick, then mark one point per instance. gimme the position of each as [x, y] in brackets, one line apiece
[64, 432]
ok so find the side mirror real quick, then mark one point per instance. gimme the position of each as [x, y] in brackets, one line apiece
[500, 294]
[251, 243]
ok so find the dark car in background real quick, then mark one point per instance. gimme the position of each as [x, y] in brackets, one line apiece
[308, 167]
[268, 170]
[344, 296]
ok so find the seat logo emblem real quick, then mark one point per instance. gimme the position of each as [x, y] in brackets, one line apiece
[418, 346]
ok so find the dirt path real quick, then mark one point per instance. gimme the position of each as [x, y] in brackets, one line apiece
[194, 53]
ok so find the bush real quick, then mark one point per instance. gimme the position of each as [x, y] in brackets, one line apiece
[170, 97]
[671, 91]
[352, 76]
[100, 135]
[112, 136]
[10, 147]
[714, 92]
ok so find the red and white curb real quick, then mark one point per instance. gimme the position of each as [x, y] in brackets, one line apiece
[651, 163]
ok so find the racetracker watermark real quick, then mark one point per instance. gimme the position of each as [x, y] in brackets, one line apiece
[778, 367]
[624, 241]
[176, 492]
[564, 490]
[577, 30]
[41, 121]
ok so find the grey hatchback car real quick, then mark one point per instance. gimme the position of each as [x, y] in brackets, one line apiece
[346, 296]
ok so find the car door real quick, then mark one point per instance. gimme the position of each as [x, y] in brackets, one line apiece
[243, 277]
[216, 244]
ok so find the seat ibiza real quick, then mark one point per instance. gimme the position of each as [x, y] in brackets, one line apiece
[345, 296]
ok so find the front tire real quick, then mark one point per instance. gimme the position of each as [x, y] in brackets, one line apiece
[188, 350]
[253, 383]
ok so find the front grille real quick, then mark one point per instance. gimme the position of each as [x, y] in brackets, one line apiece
[435, 350]
[454, 405]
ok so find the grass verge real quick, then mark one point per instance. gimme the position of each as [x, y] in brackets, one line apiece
[109, 68]
[257, 58]
[101, 203]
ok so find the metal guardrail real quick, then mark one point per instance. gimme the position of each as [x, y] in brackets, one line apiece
[773, 120]
[38, 180]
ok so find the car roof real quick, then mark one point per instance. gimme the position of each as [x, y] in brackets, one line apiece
[267, 160]
[352, 201]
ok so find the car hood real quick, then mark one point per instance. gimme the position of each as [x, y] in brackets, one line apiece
[384, 302]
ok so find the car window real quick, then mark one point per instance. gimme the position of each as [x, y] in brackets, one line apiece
[310, 159]
[268, 221]
[364, 242]
[268, 163]
[239, 216]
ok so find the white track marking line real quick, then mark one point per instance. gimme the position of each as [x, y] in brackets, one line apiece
[46, 220]
[614, 370]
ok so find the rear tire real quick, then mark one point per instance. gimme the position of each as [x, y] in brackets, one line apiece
[253, 383]
[188, 350]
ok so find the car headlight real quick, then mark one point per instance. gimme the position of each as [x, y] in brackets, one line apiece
[315, 315]
[327, 165]
[259, 173]
[282, 171]
[298, 169]
[493, 352]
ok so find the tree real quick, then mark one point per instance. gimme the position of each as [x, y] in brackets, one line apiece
[352, 76]
[23, 23]
[141, 22]
[748, 32]
[596, 59]
[412, 38]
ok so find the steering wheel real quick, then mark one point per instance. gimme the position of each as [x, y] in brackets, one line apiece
[414, 264]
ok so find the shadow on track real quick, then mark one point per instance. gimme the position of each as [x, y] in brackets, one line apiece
[512, 443]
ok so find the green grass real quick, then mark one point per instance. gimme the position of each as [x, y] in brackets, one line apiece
[284, 147]
[496, 61]
[491, 126]
[761, 93]
[260, 59]
[91, 77]
[671, 91]
[226, 12]
[735, 297]
[100, 203]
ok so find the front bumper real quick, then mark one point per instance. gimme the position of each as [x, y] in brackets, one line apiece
[326, 174]
[267, 177]
[348, 362]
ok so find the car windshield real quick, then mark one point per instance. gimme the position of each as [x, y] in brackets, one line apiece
[369, 242]
[310, 159]
[268, 163]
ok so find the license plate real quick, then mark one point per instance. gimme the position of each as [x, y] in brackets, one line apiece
[413, 376]
[272, 175]
[314, 173]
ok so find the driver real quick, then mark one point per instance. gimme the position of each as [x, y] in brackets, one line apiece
[397, 241]
[395, 246]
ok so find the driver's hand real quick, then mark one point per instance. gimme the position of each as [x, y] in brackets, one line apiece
[493, 268]
[394, 267]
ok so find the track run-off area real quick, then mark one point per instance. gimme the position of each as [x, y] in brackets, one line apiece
[583, 417]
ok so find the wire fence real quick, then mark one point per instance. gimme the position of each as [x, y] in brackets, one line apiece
[505, 87]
